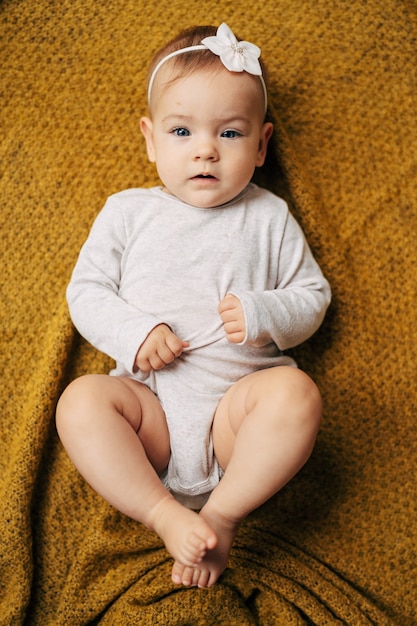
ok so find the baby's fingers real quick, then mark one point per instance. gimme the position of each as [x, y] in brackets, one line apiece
[232, 327]
[175, 345]
[167, 352]
[160, 348]
[228, 304]
[236, 337]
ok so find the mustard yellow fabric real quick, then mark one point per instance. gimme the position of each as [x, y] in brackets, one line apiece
[338, 544]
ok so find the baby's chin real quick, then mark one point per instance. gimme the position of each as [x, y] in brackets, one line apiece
[204, 198]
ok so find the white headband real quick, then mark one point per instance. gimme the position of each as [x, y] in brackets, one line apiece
[236, 56]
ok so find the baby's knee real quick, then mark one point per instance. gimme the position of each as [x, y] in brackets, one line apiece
[297, 398]
[313, 400]
[76, 398]
[306, 399]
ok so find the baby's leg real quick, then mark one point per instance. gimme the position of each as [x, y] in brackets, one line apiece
[263, 432]
[115, 432]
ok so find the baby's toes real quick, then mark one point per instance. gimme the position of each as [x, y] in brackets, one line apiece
[188, 576]
[177, 571]
[183, 575]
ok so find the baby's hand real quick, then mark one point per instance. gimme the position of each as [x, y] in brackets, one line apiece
[160, 348]
[231, 312]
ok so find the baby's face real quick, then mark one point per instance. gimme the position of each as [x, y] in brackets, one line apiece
[207, 134]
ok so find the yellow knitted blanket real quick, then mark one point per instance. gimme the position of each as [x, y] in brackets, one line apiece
[338, 544]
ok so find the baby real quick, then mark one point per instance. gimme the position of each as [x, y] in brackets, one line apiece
[195, 288]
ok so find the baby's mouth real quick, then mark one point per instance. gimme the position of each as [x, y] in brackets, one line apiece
[204, 177]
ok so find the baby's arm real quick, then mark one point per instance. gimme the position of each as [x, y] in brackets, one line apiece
[160, 348]
[105, 319]
[288, 314]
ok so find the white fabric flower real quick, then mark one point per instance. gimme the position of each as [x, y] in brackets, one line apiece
[236, 56]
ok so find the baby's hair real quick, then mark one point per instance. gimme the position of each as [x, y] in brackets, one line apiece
[188, 62]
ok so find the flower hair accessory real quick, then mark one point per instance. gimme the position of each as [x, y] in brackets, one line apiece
[236, 56]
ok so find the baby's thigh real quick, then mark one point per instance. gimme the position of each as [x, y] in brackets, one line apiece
[230, 413]
[101, 402]
[277, 393]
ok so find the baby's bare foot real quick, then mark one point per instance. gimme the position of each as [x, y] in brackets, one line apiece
[213, 563]
[184, 575]
[186, 535]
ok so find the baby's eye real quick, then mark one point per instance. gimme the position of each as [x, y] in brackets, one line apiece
[230, 134]
[181, 132]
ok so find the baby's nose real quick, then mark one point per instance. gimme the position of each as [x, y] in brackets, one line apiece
[206, 151]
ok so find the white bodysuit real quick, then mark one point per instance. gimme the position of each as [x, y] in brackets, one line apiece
[150, 259]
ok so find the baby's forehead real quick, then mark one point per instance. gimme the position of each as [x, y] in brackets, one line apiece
[213, 77]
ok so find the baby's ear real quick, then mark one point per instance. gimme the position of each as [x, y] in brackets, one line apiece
[266, 134]
[146, 127]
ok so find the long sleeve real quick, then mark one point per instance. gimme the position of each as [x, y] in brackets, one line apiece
[100, 314]
[294, 310]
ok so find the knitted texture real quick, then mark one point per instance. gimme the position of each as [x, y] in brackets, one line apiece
[337, 545]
